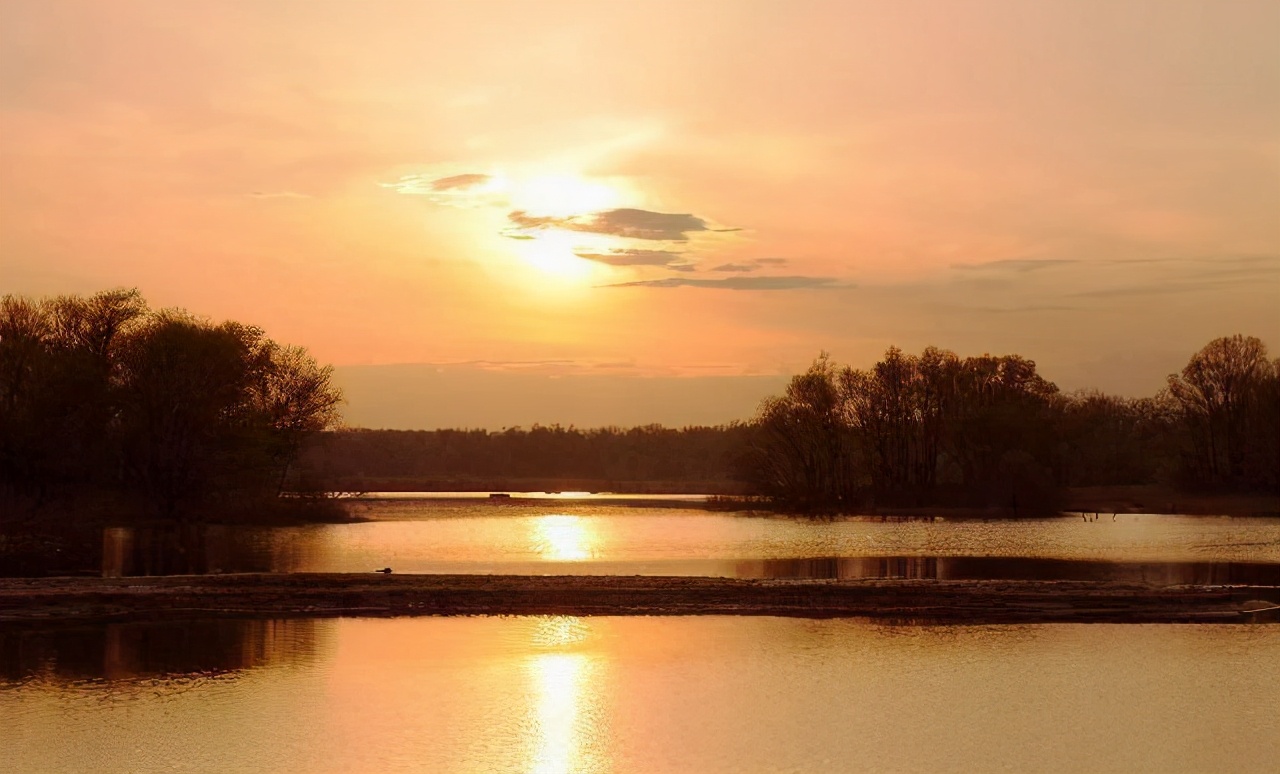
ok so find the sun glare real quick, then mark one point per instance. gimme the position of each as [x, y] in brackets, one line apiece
[563, 724]
[552, 248]
[561, 195]
[563, 538]
[559, 681]
[553, 252]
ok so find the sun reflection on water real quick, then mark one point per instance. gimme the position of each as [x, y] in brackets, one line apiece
[563, 726]
[562, 538]
[560, 631]
[558, 679]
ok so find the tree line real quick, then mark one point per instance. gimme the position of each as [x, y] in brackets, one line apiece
[911, 431]
[938, 429]
[633, 459]
[103, 397]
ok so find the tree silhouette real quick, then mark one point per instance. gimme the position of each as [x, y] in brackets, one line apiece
[100, 394]
[1227, 398]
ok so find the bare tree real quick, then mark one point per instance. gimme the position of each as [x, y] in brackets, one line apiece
[1218, 391]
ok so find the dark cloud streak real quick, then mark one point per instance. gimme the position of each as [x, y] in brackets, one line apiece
[1015, 264]
[665, 258]
[625, 222]
[754, 264]
[738, 283]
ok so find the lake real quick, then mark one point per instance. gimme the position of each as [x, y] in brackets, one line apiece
[596, 537]
[699, 694]
[562, 694]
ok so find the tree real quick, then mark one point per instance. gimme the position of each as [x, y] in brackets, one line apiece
[841, 436]
[56, 373]
[1221, 392]
[802, 450]
[100, 394]
[296, 399]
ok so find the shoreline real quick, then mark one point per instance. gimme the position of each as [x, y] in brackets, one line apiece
[36, 601]
[1140, 499]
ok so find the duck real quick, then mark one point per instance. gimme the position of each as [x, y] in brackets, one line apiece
[384, 571]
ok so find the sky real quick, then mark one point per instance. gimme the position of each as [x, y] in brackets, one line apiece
[490, 214]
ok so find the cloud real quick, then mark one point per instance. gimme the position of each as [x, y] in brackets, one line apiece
[522, 219]
[751, 265]
[278, 195]
[667, 258]
[1020, 309]
[625, 222]
[465, 190]
[512, 365]
[459, 182]
[1014, 264]
[1125, 291]
[738, 283]
[1260, 267]
[644, 224]
[1179, 275]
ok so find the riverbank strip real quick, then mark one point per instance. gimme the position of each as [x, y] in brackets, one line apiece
[60, 600]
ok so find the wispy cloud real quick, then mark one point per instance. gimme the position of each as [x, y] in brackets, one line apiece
[278, 195]
[1015, 264]
[738, 283]
[625, 222]
[1020, 309]
[470, 189]
[755, 264]
[666, 258]
[1153, 289]
[456, 182]
[1116, 279]
[1260, 267]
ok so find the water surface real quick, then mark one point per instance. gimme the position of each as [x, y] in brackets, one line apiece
[598, 538]
[562, 694]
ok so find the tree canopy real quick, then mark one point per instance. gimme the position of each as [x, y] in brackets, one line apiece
[101, 394]
[937, 429]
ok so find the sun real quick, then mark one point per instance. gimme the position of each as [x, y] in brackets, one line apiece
[555, 253]
[551, 250]
[561, 196]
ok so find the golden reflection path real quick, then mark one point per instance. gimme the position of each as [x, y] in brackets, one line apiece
[563, 538]
[564, 726]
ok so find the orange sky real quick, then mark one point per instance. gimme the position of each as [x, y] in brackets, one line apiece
[1095, 185]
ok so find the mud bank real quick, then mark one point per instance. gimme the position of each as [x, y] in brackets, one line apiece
[324, 595]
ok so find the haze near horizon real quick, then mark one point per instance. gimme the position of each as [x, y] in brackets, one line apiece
[600, 214]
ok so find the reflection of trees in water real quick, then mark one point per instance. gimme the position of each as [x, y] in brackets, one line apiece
[143, 650]
[174, 549]
[38, 552]
[195, 549]
[837, 567]
[1013, 568]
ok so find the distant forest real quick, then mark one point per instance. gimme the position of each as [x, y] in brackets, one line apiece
[912, 431]
[638, 459]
